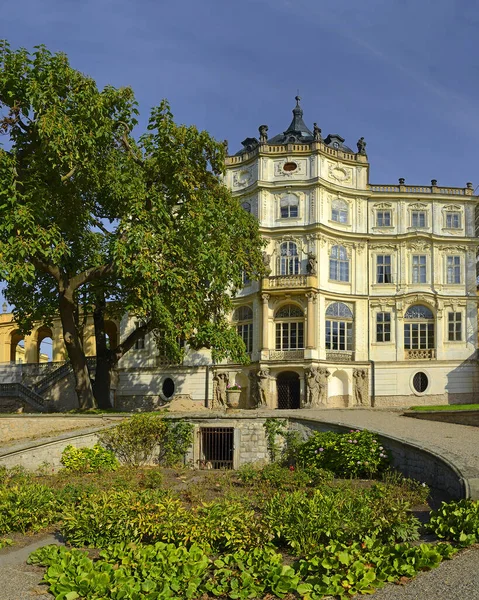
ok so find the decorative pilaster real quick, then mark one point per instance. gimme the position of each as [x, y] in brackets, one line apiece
[311, 321]
[265, 341]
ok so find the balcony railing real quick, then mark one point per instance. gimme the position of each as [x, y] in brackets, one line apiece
[420, 354]
[288, 281]
[340, 355]
[286, 354]
[421, 189]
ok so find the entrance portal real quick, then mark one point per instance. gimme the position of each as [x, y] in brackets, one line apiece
[287, 384]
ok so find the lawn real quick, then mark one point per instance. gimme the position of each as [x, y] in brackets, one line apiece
[447, 407]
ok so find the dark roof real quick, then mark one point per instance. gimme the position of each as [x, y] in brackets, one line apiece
[297, 133]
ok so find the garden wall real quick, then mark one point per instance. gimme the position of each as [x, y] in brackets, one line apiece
[460, 417]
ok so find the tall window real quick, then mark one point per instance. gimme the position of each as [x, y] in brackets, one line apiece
[339, 264]
[453, 269]
[383, 327]
[289, 207]
[418, 328]
[339, 327]
[454, 326]
[419, 272]
[289, 262]
[289, 328]
[383, 268]
[383, 218]
[140, 342]
[339, 211]
[453, 220]
[243, 317]
[418, 218]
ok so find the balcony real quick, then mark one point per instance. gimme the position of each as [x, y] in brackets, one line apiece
[286, 354]
[286, 281]
[420, 354]
[342, 356]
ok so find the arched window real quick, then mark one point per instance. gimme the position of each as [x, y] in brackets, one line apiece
[289, 328]
[419, 330]
[339, 211]
[339, 264]
[243, 318]
[289, 261]
[339, 327]
[289, 206]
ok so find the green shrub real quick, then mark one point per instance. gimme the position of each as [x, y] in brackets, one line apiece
[177, 439]
[151, 479]
[357, 453]
[88, 460]
[135, 440]
[27, 507]
[16, 475]
[148, 438]
[305, 522]
[456, 521]
[274, 428]
[278, 477]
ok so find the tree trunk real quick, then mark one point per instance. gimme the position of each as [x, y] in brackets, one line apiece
[101, 387]
[76, 354]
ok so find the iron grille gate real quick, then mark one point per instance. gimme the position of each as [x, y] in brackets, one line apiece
[288, 393]
[216, 449]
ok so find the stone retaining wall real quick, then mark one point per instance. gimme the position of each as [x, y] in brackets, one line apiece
[460, 417]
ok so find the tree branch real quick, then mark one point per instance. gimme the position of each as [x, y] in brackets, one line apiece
[127, 145]
[52, 270]
[89, 275]
[65, 178]
[127, 344]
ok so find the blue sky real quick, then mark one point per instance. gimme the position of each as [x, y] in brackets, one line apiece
[401, 73]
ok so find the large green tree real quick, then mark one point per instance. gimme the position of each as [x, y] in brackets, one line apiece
[94, 219]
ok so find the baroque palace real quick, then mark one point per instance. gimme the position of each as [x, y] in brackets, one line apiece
[370, 300]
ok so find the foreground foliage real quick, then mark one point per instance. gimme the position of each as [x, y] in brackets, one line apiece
[132, 571]
[456, 521]
[88, 460]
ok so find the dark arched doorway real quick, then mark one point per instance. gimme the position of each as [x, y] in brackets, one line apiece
[287, 384]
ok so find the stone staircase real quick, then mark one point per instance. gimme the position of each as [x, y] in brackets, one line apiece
[37, 380]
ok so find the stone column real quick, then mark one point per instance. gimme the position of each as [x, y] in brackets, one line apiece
[311, 321]
[31, 348]
[265, 341]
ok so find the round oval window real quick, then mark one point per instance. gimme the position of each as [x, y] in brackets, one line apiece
[168, 387]
[420, 382]
[290, 166]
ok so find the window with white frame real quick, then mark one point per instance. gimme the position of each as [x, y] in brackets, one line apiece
[383, 268]
[419, 268]
[339, 211]
[289, 322]
[289, 259]
[418, 218]
[339, 264]
[453, 220]
[453, 269]
[418, 328]
[383, 218]
[454, 326]
[140, 342]
[243, 318]
[289, 207]
[339, 327]
[383, 327]
[244, 278]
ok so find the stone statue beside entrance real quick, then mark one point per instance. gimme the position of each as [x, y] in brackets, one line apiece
[221, 383]
[263, 388]
[361, 387]
[316, 387]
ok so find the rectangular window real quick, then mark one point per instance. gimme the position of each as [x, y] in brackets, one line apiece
[246, 334]
[418, 336]
[289, 336]
[383, 218]
[383, 327]
[339, 335]
[339, 215]
[245, 278]
[418, 218]
[288, 212]
[453, 269]
[419, 269]
[454, 326]
[383, 268]
[140, 342]
[453, 220]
